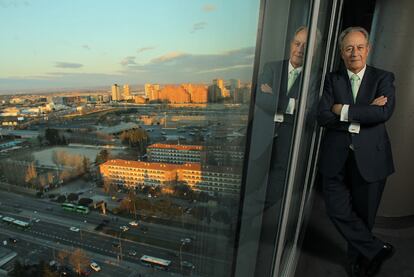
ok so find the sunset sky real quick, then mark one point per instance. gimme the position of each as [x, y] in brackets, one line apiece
[84, 43]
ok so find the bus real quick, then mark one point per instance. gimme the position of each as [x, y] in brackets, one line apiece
[18, 223]
[155, 262]
[75, 208]
[82, 209]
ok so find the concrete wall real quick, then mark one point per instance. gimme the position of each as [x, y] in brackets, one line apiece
[393, 44]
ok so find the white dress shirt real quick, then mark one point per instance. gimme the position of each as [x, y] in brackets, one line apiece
[353, 127]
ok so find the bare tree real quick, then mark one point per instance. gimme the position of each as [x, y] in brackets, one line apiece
[108, 186]
[62, 257]
[31, 174]
[78, 260]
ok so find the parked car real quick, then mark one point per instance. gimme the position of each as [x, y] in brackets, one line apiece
[124, 228]
[132, 252]
[185, 240]
[95, 266]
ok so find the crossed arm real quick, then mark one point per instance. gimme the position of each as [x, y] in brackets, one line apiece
[378, 111]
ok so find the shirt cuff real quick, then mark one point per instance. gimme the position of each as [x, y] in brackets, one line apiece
[354, 128]
[344, 113]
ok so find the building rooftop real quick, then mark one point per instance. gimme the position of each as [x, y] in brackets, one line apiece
[152, 165]
[177, 147]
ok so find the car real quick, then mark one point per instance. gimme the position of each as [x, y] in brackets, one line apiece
[116, 245]
[95, 266]
[185, 240]
[74, 229]
[133, 223]
[187, 264]
[132, 252]
[124, 228]
[13, 240]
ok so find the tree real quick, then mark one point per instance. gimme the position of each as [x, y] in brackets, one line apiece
[52, 136]
[85, 202]
[108, 186]
[61, 199]
[31, 174]
[73, 197]
[78, 260]
[102, 156]
[85, 165]
[136, 138]
[62, 257]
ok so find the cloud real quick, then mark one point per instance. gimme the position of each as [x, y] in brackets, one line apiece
[168, 57]
[185, 67]
[85, 46]
[129, 60]
[226, 68]
[140, 50]
[68, 65]
[198, 26]
[172, 67]
[209, 8]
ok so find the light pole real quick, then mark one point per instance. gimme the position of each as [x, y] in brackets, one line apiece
[181, 256]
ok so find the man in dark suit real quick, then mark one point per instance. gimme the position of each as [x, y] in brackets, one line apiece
[355, 157]
[275, 110]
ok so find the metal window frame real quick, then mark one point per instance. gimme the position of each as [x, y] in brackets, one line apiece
[316, 137]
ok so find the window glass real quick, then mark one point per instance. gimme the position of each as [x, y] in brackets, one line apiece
[307, 132]
[123, 133]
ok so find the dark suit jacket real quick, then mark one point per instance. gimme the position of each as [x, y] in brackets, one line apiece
[264, 128]
[275, 74]
[372, 146]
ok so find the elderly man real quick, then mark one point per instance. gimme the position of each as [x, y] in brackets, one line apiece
[356, 157]
[276, 106]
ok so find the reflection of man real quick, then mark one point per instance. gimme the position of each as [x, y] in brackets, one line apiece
[356, 153]
[281, 80]
[276, 106]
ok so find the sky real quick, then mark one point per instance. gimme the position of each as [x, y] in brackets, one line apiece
[87, 43]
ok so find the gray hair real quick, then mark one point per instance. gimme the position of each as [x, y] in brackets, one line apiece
[351, 30]
[298, 30]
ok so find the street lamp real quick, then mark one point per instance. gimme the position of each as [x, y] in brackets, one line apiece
[181, 256]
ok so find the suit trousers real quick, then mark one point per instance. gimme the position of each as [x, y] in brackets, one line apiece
[352, 204]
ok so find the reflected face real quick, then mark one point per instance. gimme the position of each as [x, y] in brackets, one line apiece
[354, 51]
[297, 48]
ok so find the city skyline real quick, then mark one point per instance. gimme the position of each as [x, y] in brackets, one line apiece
[79, 46]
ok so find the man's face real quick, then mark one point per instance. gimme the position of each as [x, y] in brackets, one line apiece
[297, 48]
[355, 50]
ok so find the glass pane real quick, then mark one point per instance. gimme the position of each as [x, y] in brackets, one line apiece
[123, 133]
[283, 47]
[307, 133]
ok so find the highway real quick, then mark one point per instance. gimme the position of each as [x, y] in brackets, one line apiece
[210, 253]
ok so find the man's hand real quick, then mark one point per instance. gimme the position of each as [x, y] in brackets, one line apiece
[379, 101]
[266, 88]
[336, 109]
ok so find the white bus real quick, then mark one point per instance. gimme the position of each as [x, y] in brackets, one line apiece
[16, 222]
[155, 262]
